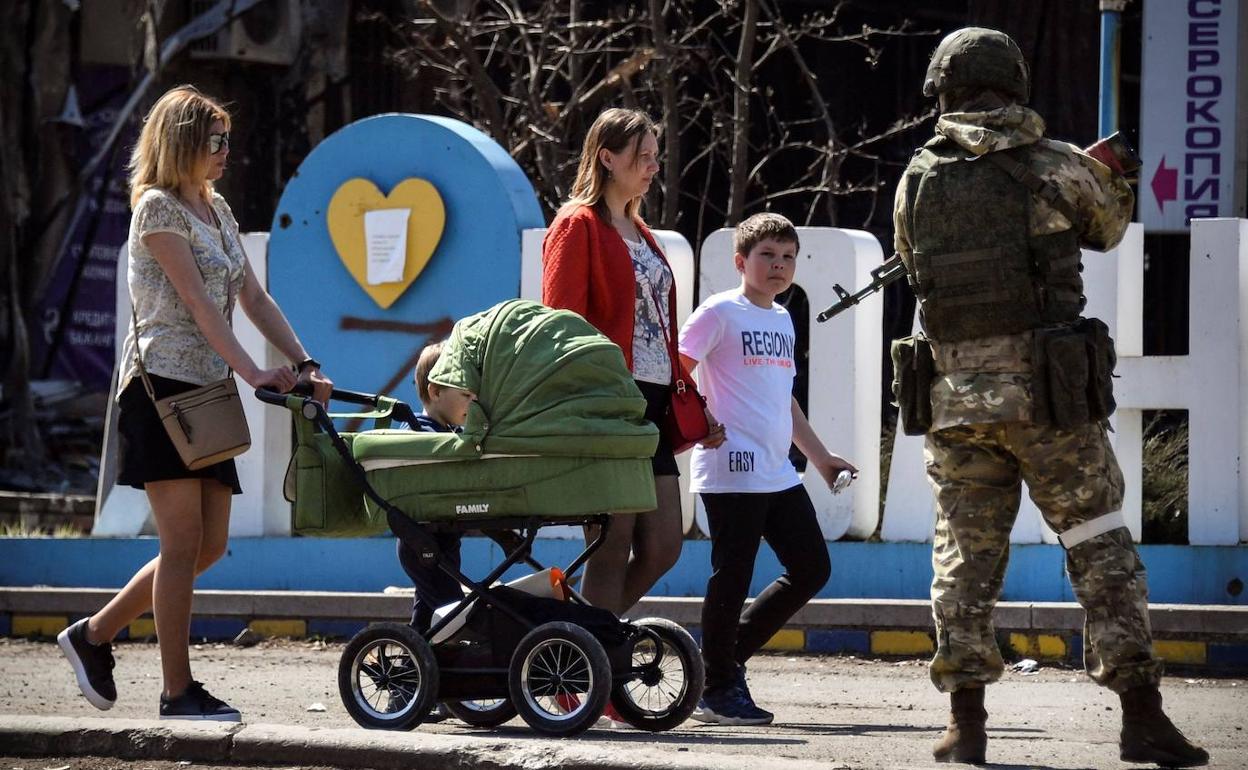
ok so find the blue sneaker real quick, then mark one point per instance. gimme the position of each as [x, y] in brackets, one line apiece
[729, 707]
[744, 690]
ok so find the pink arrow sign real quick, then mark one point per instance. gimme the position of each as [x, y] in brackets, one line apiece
[1165, 184]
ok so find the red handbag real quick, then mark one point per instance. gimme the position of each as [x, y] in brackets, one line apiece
[685, 423]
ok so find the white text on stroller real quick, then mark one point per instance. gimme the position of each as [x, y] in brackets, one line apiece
[462, 510]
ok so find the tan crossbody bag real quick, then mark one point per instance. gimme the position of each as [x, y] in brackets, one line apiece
[206, 424]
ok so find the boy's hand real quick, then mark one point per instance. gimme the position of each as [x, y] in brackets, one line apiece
[831, 468]
[717, 435]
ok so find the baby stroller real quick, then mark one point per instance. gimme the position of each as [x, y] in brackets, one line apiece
[557, 436]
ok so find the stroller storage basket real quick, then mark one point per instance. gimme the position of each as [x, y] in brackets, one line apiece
[325, 492]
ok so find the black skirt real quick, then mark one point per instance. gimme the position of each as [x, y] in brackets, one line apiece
[658, 401]
[145, 451]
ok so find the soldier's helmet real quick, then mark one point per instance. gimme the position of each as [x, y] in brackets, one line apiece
[978, 58]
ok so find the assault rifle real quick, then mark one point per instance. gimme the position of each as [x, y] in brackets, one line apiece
[891, 271]
[1114, 151]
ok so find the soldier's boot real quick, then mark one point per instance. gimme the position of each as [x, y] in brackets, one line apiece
[1148, 735]
[965, 739]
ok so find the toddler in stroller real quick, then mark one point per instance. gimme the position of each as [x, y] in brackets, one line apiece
[446, 409]
[556, 436]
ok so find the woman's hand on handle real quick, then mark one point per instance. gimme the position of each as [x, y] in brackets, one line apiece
[322, 386]
[280, 379]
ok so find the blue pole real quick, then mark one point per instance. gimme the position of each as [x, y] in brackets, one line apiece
[1111, 15]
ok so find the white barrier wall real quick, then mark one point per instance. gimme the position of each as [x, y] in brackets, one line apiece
[1209, 382]
[844, 395]
[261, 509]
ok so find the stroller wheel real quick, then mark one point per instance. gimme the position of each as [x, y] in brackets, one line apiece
[387, 677]
[559, 679]
[667, 678]
[482, 713]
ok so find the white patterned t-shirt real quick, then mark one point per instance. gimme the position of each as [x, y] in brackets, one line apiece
[171, 342]
[746, 365]
[652, 361]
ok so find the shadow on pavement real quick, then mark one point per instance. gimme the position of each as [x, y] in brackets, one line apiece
[680, 737]
[816, 728]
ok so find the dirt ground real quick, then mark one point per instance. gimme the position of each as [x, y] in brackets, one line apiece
[109, 763]
[837, 711]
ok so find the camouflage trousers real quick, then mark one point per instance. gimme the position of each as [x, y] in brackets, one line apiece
[1072, 476]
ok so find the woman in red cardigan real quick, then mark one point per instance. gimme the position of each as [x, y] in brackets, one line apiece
[600, 260]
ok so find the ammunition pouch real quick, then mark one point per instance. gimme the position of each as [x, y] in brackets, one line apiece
[913, 373]
[1102, 358]
[1073, 381]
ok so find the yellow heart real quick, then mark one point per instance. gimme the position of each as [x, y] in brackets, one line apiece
[345, 217]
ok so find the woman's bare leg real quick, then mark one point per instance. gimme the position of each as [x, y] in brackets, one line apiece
[129, 603]
[182, 509]
[657, 539]
[136, 597]
[603, 584]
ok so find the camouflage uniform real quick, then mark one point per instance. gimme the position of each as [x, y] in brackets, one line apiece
[983, 443]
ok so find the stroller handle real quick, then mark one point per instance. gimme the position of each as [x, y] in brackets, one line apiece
[314, 410]
[301, 389]
[271, 396]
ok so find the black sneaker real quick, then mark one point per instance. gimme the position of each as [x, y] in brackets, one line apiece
[197, 704]
[93, 665]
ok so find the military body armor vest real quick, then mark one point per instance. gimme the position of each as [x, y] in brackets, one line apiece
[975, 268]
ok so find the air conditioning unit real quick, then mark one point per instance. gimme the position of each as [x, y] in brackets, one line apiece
[268, 33]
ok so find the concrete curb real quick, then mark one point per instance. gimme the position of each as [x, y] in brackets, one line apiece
[346, 748]
[1213, 637]
[1206, 619]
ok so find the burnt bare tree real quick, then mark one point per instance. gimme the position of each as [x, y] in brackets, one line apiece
[533, 74]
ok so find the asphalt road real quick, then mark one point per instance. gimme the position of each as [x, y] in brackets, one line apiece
[834, 711]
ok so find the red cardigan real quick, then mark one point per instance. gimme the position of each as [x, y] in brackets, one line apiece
[586, 268]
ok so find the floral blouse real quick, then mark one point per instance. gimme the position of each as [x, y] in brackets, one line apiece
[171, 343]
[652, 358]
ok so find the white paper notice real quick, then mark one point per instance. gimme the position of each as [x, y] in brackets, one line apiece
[385, 235]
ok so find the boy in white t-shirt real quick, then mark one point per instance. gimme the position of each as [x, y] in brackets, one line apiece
[742, 343]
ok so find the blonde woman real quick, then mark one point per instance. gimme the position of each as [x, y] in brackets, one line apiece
[186, 269]
[600, 260]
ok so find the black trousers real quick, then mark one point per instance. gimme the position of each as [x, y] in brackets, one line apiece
[434, 587]
[739, 522]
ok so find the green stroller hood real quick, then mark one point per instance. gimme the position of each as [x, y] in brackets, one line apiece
[547, 383]
[558, 431]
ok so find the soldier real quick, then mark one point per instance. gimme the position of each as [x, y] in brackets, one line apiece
[1010, 383]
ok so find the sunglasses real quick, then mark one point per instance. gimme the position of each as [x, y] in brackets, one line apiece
[217, 142]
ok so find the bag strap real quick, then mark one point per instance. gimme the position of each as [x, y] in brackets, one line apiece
[681, 381]
[678, 378]
[228, 311]
[1045, 190]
